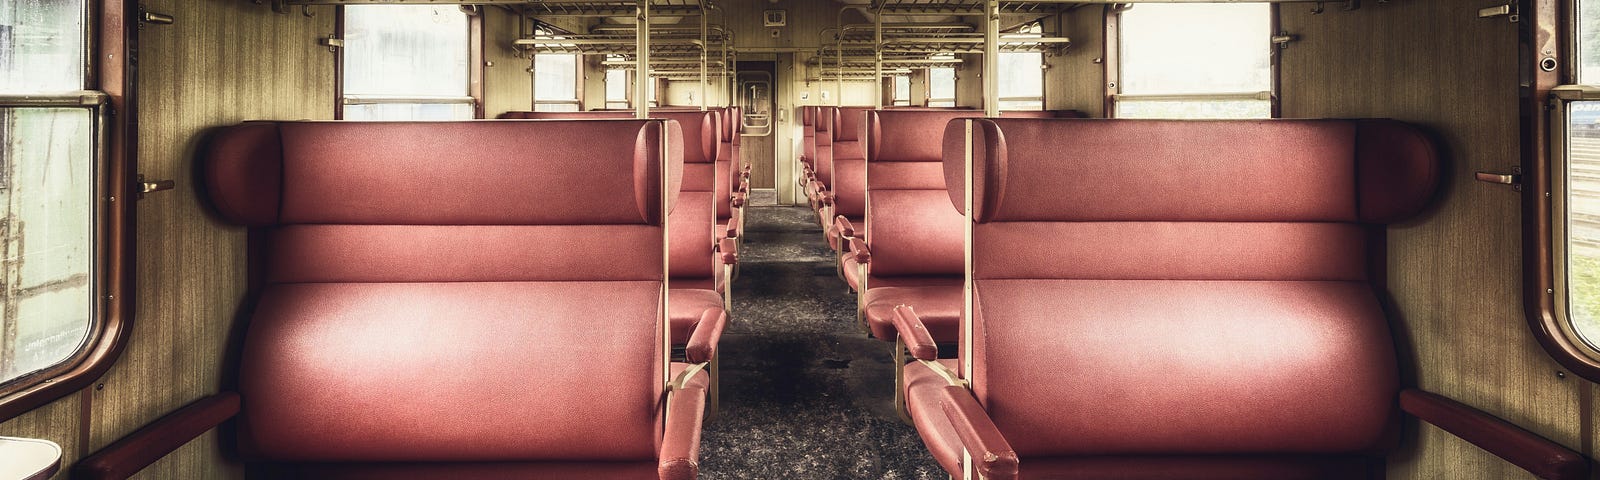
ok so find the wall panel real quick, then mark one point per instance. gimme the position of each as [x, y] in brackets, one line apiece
[507, 84]
[1076, 78]
[222, 62]
[1455, 273]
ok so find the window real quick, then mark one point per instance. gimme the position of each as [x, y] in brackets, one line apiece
[1195, 60]
[1578, 180]
[555, 82]
[942, 87]
[50, 171]
[1021, 81]
[1022, 76]
[902, 91]
[616, 88]
[406, 62]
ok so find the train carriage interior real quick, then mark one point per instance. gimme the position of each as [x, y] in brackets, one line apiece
[799, 239]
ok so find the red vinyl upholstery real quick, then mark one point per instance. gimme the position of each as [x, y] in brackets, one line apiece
[915, 237]
[1146, 309]
[448, 293]
[693, 221]
[596, 114]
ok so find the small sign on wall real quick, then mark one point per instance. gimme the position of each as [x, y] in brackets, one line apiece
[776, 18]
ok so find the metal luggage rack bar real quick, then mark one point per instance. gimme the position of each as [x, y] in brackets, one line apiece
[610, 8]
[609, 44]
[969, 7]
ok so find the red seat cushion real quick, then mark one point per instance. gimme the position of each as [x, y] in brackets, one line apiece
[922, 393]
[938, 303]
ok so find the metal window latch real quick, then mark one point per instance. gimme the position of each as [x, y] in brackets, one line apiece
[1283, 38]
[156, 186]
[1514, 179]
[333, 43]
[1508, 10]
[148, 17]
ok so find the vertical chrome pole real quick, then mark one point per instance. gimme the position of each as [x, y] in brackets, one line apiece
[967, 470]
[991, 58]
[642, 79]
[877, 61]
[704, 39]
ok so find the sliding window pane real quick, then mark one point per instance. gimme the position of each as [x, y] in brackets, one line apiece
[47, 236]
[1583, 219]
[410, 111]
[412, 51]
[1588, 30]
[41, 46]
[1021, 81]
[942, 87]
[556, 77]
[1136, 108]
[1193, 48]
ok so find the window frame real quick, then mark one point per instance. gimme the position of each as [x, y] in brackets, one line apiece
[1544, 110]
[475, 73]
[955, 89]
[1113, 37]
[577, 85]
[109, 96]
[1037, 29]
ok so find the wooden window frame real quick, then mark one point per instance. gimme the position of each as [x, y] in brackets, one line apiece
[110, 28]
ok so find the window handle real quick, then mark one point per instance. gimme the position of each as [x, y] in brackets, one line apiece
[1514, 179]
[155, 186]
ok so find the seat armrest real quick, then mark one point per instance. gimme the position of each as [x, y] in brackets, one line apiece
[680, 442]
[734, 226]
[138, 450]
[702, 346]
[992, 455]
[1537, 455]
[859, 247]
[728, 248]
[843, 226]
[915, 335]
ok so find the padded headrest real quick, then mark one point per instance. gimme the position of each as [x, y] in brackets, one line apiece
[443, 173]
[565, 115]
[735, 120]
[808, 116]
[824, 124]
[848, 122]
[696, 124]
[1368, 171]
[907, 135]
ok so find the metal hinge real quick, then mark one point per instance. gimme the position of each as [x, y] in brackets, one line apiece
[333, 43]
[1508, 10]
[1514, 179]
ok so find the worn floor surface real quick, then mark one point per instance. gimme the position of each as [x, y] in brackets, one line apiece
[805, 393]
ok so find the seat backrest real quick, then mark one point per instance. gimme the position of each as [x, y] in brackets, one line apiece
[850, 130]
[702, 132]
[1044, 114]
[824, 141]
[594, 114]
[1186, 287]
[808, 133]
[909, 223]
[430, 289]
[693, 221]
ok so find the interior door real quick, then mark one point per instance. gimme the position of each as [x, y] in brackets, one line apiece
[758, 93]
